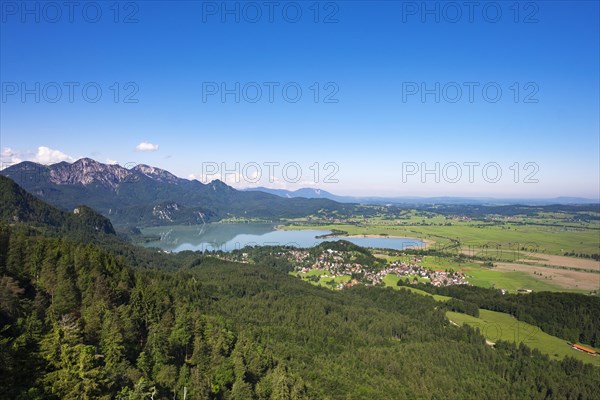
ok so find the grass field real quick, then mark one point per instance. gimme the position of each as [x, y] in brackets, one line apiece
[391, 280]
[500, 326]
[480, 275]
[505, 278]
[508, 280]
[323, 281]
[501, 240]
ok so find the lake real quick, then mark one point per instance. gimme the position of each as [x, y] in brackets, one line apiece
[231, 236]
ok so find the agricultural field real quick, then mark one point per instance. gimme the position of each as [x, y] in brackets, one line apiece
[559, 278]
[512, 276]
[496, 241]
[496, 326]
[508, 280]
[532, 252]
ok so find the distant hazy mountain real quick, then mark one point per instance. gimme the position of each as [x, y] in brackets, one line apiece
[311, 193]
[307, 193]
[145, 195]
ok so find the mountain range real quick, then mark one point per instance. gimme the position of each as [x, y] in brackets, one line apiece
[145, 195]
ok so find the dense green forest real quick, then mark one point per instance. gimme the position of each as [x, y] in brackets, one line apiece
[20, 206]
[79, 323]
[84, 315]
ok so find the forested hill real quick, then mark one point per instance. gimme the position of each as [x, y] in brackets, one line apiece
[78, 322]
[18, 206]
[29, 216]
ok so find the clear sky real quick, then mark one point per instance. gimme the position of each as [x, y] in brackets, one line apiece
[370, 94]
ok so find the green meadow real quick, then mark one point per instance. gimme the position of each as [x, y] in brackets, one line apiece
[508, 280]
[484, 276]
[502, 241]
[391, 280]
[500, 326]
[479, 274]
[321, 281]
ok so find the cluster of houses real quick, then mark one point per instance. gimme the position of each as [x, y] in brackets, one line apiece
[334, 263]
[463, 218]
[234, 257]
[436, 277]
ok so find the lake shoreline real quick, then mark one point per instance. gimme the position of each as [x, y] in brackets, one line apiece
[229, 237]
[426, 242]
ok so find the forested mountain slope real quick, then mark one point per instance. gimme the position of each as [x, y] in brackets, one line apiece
[18, 206]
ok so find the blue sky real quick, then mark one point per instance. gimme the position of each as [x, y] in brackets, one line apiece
[367, 126]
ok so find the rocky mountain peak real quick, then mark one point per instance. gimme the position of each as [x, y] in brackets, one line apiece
[86, 171]
[219, 185]
[155, 173]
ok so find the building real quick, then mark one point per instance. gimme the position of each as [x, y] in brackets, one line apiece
[584, 349]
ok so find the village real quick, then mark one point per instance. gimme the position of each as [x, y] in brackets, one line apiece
[344, 269]
[334, 264]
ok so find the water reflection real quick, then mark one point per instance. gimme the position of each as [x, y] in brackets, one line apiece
[227, 237]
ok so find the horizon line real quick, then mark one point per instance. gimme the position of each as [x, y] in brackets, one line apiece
[358, 197]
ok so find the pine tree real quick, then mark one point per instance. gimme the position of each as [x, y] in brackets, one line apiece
[111, 342]
[66, 295]
[76, 372]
